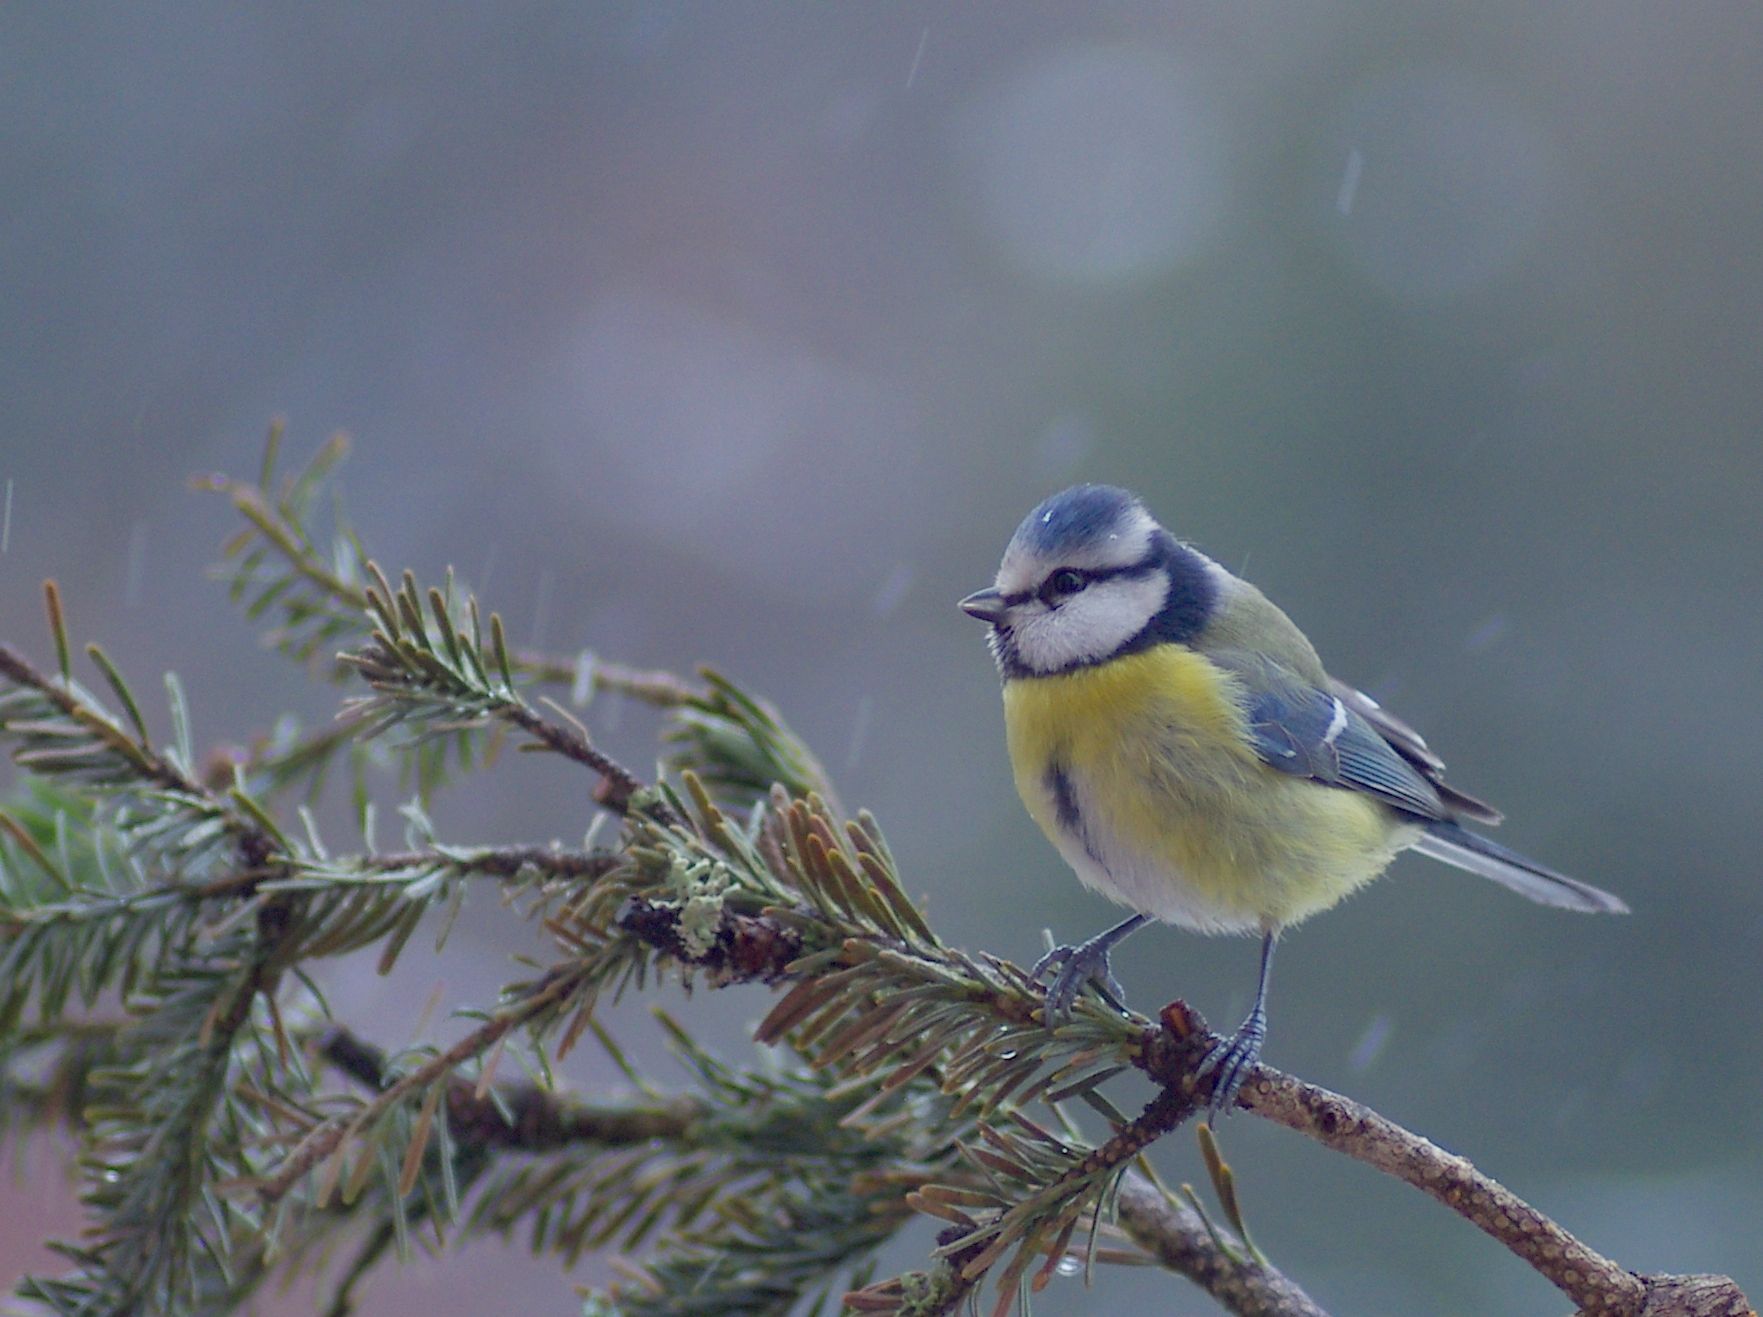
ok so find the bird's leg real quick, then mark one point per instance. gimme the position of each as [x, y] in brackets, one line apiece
[1232, 1059]
[1087, 962]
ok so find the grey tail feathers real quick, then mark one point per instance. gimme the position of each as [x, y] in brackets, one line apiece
[1454, 845]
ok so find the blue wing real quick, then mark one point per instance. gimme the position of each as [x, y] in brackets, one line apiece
[1341, 738]
[1312, 733]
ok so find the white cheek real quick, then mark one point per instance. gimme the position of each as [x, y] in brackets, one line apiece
[1092, 625]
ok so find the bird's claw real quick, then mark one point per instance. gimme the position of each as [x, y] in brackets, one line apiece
[1229, 1063]
[1072, 967]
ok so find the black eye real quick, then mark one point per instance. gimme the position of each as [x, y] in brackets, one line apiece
[1065, 581]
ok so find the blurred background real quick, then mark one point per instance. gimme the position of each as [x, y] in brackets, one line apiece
[746, 333]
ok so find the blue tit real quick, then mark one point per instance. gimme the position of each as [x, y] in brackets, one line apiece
[1176, 737]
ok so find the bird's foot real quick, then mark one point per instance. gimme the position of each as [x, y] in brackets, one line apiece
[1231, 1060]
[1071, 968]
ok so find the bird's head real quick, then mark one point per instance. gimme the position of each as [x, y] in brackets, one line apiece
[1090, 576]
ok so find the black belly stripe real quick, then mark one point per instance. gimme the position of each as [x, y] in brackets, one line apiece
[1065, 807]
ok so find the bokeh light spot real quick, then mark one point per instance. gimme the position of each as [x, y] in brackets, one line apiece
[1097, 164]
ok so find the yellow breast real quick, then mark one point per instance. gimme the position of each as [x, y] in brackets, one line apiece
[1174, 813]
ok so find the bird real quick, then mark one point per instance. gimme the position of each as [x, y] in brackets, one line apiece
[1178, 740]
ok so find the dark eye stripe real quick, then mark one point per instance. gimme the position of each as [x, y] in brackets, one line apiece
[1090, 576]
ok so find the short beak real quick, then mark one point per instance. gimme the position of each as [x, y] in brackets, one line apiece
[986, 605]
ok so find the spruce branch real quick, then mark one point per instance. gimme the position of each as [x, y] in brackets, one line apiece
[525, 1117]
[1595, 1283]
[309, 586]
[816, 1178]
[65, 732]
[888, 996]
[430, 669]
[154, 802]
[549, 862]
[307, 598]
[877, 996]
[1585, 1276]
[906, 1077]
[776, 1170]
[770, 1167]
[284, 758]
[741, 749]
[587, 674]
[543, 998]
[1183, 1242]
[157, 1138]
[60, 731]
[163, 1120]
[1046, 1187]
[274, 565]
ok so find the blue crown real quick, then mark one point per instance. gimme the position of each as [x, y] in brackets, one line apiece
[1074, 517]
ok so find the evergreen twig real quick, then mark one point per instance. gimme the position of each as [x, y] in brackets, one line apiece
[433, 670]
[526, 1117]
[1182, 1242]
[910, 1077]
[328, 1138]
[152, 1135]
